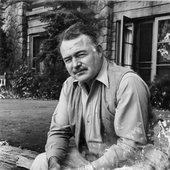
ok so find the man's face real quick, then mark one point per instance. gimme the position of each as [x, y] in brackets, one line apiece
[83, 61]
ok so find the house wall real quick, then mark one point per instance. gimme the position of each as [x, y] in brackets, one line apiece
[103, 10]
[15, 26]
[100, 7]
[22, 22]
[135, 9]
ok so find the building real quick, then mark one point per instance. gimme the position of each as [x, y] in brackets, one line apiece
[136, 34]
[141, 30]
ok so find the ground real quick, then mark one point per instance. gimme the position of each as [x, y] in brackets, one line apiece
[25, 123]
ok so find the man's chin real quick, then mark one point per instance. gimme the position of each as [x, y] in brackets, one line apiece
[81, 79]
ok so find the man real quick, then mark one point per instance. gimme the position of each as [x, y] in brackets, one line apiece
[102, 105]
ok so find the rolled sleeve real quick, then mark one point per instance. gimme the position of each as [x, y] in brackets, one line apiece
[116, 155]
[60, 130]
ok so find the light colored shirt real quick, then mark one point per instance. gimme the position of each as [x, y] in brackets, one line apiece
[128, 122]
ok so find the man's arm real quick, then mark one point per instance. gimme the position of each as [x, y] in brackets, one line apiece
[130, 122]
[59, 133]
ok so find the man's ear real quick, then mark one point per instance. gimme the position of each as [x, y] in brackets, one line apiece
[99, 48]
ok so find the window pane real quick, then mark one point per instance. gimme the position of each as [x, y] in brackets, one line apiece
[161, 71]
[36, 48]
[145, 74]
[128, 46]
[163, 48]
[143, 58]
[128, 34]
[128, 55]
[145, 41]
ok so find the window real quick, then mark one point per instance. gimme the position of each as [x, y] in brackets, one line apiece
[162, 46]
[127, 31]
[136, 46]
[36, 41]
[144, 45]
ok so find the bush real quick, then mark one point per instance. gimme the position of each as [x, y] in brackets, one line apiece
[48, 88]
[160, 93]
[26, 83]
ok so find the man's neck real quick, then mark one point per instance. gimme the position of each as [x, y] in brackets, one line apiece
[87, 87]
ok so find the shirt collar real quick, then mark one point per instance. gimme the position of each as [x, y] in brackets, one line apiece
[102, 76]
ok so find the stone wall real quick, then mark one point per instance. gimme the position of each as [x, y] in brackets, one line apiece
[16, 27]
[16, 30]
[103, 10]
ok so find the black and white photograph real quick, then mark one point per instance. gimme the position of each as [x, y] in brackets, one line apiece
[84, 85]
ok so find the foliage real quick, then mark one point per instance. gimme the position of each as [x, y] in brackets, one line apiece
[160, 92]
[28, 84]
[1, 9]
[4, 53]
[24, 82]
[4, 50]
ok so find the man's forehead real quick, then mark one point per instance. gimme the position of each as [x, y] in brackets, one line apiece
[79, 41]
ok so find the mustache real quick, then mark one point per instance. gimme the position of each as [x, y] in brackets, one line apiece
[79, 69]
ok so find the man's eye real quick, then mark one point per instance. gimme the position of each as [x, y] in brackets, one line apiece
[67, 60]
[81, 55]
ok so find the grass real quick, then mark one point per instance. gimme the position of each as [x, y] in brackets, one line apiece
[25, 123]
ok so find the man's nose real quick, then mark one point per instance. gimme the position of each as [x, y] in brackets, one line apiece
[75, 62]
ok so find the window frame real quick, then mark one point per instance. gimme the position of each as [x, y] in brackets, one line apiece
[125, 23]
[120, 31]
[31, 58]
[155, 46]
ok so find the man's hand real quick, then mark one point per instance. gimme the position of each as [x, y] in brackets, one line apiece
[53, 164]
